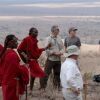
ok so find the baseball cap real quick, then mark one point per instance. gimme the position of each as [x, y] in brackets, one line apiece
[72, 29]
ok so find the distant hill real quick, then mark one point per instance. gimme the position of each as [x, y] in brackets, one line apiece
[16, 10]
[88, 28]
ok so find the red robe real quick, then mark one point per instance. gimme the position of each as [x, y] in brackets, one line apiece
[29, 45]
[14, 76]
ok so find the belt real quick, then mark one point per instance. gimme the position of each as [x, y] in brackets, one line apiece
[32, 59]
[69, 89]
[17, 79]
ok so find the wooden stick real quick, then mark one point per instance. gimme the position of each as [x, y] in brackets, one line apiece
[85, 86]
[26, 92]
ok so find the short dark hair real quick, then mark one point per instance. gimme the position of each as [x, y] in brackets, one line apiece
[54, 27]
[8, 38]
[33, 31]
[6, 43]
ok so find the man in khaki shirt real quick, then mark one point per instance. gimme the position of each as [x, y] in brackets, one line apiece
[54, 53]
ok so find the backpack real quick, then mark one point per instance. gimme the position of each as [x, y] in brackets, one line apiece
[96, 78]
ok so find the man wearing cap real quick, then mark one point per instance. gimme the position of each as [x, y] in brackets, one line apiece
[72, 39]
[71, 78]
[54, 53]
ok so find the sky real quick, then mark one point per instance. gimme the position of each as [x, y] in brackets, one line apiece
[42, 1]
[46, 10]
[49, 7]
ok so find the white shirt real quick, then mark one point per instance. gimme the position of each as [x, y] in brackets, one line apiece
[70, 75]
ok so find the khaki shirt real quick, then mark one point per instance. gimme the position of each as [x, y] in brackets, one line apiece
[56, 46]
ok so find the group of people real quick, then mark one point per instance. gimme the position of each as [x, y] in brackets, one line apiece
[19, 64]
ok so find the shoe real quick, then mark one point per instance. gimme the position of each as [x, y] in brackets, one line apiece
[59, 88]
[41, 88]
[30, 93]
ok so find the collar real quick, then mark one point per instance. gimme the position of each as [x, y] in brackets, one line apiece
[72, 60]
[72, 37]
[52, 36]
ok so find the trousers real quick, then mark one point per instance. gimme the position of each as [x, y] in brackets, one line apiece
[56, 67]
[69, 95]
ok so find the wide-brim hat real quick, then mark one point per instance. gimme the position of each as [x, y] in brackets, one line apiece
[72, 50]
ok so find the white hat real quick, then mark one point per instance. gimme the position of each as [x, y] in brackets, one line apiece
[72, 50]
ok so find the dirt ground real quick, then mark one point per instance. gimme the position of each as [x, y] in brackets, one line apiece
[49, 94]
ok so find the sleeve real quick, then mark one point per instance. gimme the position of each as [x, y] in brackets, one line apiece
[61, 46]
[22, 46]
[70, 77]
[33, 50]
[49, 51]
[78, 42]
[36, 51]
[65, 42]
[30, 48]
[22, 50]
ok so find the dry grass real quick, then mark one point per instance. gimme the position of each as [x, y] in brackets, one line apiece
[89, 62]
[91, 89]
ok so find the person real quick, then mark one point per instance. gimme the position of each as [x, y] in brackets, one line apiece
[99, 42]
[99, 45]
[14, 75]
[1, 47]
[71, 78]
[72, 39]
[29, 49]
[54, 53]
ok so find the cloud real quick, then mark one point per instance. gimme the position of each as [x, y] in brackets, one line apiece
[60, 5]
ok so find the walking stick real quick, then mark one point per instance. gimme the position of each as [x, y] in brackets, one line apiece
[26, 92]
[17, 88]
[85, 86]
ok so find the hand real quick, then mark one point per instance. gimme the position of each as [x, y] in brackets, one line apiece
[57, 53]
[48, 46]
[76, 91]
